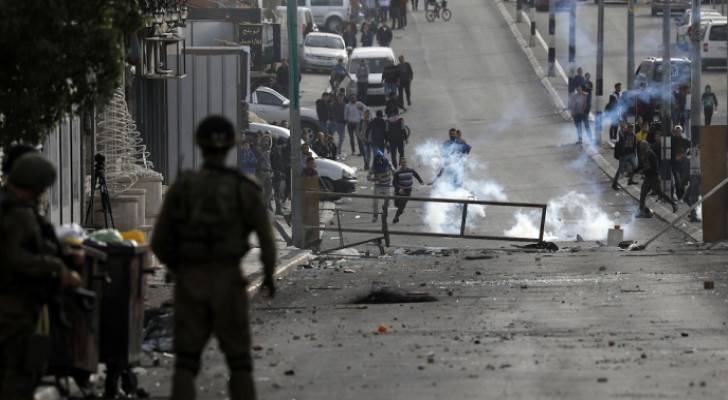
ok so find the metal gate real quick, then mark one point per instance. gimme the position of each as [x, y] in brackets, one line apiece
[63, 147]
[217, 82]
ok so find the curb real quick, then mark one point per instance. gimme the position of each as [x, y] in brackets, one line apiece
[661, 211]
[284, 264]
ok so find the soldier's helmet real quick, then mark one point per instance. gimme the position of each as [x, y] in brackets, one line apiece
[215, 133]
[33, 172]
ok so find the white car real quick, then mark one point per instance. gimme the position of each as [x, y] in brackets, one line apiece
[684, 23]
[715, 43]
[377, 58]
[322, 50]
[334, 176]
[329, 14]
[274, 107]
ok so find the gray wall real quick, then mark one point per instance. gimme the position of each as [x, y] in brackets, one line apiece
[63, 147]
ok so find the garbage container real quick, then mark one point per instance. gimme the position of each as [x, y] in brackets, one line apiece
[121, 324]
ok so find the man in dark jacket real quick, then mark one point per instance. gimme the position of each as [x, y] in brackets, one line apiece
[405, 78]
[323, 112]
[349, 36]
[377, 132]
[339, 117]
[403, 181]
[394, 14]
[390, 76]
[614, 111]
[679, 165]
[282, 77]
[651, 183]
[384, 35]
[395, 137]
[626, 152]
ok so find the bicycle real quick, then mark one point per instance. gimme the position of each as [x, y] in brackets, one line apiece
[440, 11]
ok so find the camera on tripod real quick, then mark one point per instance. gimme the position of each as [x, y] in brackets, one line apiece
[99, 164]
[99, 182]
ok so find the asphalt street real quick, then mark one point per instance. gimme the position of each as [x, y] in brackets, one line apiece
[648, 43]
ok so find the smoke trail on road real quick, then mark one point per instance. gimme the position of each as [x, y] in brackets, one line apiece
[458, 181]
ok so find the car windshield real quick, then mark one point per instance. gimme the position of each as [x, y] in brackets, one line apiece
[680, 72]
[376, 65]
[326, 42]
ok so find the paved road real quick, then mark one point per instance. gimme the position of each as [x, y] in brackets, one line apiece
[648, 43]
[488, 90]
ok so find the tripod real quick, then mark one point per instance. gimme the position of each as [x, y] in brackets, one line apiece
[99, 181]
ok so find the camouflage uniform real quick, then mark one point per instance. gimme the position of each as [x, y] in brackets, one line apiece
[201, 236]
[29, 273]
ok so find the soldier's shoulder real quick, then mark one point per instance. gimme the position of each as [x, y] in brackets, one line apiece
[248, 182]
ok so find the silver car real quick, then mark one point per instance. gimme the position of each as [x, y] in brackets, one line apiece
[321, 50]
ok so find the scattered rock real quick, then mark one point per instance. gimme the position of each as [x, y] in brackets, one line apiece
[708, 284]
[579, 238]
[420, 367]
[602, 268]
[611, 343]
[684, 334]
[431, 358]
[257, 347]
[290, 372]
[524, 286]
[383, 329]
[602, 380]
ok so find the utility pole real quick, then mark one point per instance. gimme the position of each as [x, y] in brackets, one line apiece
[600, 74]
[572, 44]
[630, 44]
[519, 8]
[552, 38]
[695, 107]
[666, 99]
[532, 16]
[295, 128]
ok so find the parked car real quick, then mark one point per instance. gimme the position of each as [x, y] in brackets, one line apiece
[650, 71]
[675, 6]
[272, 106]
[714, 44]
[683, 23]
[304, 18]
[322, 50]
[377, 58]
[334, 176]
[329, 14]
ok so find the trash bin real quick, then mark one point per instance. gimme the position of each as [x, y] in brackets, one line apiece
[121, 324]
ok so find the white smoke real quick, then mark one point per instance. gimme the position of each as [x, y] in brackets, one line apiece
[456, 182]
[566, 216]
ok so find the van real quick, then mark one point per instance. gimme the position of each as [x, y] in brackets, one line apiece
[304, 18]
[714, 44]
[328, 14]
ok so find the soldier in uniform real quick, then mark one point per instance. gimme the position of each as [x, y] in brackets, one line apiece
[201, 236]
[29, 273]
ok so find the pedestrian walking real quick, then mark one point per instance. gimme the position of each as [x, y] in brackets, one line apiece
[349, 36]
[381, 175]
[353, 116]
[201, 236]
[31, 271]
[402, 14]
[282, 77]
[588, 89]
[679, 112]
[626, 152]
[367, 35]
[577, 81]
[651, 182]
[384, 11]
[378, 133]
[339, 116]
[279, 164]
[323, 112]
[614, 111]
[394, 13]
[406, 75]
[395, 137]
[577, 106]
[384, 35]
[390, 76]
[710, 104]
[338, 74]
[362, 80]
[403, 183]
[363, 139]
[248, 160]
[415, 5]
[679, 163]
[264, 170]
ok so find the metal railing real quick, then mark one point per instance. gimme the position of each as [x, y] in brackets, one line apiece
[385, 232]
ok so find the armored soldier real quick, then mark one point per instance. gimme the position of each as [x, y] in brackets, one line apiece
[201, 236]
[30, 273]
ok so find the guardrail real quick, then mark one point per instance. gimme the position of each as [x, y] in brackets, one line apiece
[385, 232]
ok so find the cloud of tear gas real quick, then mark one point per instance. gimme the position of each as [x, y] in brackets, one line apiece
[460, 178]
[566, 216]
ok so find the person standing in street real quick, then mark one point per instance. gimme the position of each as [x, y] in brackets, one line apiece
[367, 35]
[405, 79]
[384, 11]
[31, 271]
[384, 35]
[339, 116]
[577, 81]
[614, 111]
[710, 104]
[309, 168]
[415, 4]
[264, 170]
[395, 137]
[323, 112]
[679, 164]
[378, 133]
[402, 14]
[403, 183]
[248, 160]
[349, 36]
[362, 80]
[353, 116]
[588, 89]
[279, 164]
[651, 183]
[282, 77]
[381, 175]
[201, 236]
[626, 152]
[394, 13]
[577, 106]
[338, 74]
[362, 136]
[390, 76]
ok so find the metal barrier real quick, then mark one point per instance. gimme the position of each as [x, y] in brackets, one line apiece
[385, 233]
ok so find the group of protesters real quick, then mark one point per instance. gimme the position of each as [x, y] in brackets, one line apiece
[269, 161]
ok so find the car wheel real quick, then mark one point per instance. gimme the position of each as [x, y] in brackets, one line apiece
[333, 24]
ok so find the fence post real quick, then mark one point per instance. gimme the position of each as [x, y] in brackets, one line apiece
[463, 219]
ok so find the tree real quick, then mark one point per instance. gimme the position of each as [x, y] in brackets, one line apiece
[58, 55]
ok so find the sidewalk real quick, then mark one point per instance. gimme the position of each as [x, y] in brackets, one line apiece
[556, 87]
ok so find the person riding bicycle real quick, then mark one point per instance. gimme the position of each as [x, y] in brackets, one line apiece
[338, 73]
